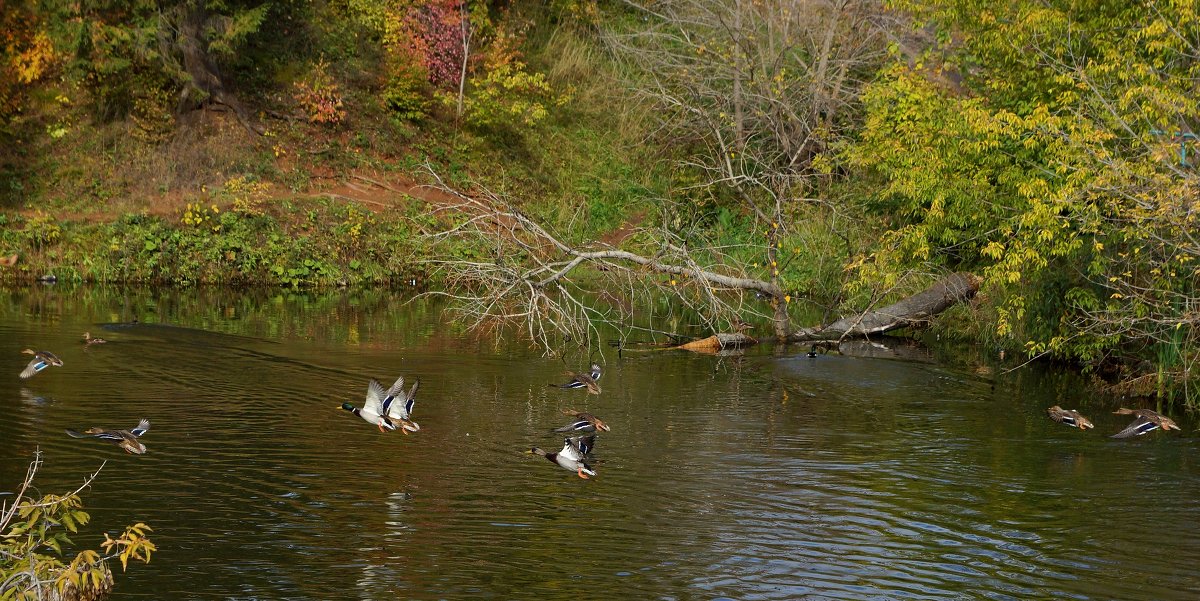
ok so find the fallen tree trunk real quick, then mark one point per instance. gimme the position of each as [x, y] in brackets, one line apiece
[913, 311]
[717, 342]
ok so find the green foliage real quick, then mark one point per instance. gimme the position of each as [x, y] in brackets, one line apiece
[509, 95]
[42, 230]
[229, 33]
[1057, 178]
[407, 94]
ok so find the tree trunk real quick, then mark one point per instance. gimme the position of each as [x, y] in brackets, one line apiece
[915, 310]
[466, 46]
[206, 83]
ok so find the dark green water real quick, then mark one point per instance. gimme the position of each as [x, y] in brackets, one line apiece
[764, 477]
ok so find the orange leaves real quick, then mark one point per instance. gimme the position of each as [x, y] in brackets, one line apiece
[133, 544]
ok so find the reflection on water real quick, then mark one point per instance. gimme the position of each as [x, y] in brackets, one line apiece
[762, 477]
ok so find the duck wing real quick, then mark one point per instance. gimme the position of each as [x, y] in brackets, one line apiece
[397, 390]
[102, 434]
[583, 444]
[582, 425]
[142, 427]
[36, 365]
[375, 396]
[1140, 426]
[398, 404]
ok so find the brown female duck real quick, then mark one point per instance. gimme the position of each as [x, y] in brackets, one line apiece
[126, 439]
[1147, 420]
[1069, 417]
[584, 422]
[588, 380]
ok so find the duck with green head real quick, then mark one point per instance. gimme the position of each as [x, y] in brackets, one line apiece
[571, 457]
[372, 410]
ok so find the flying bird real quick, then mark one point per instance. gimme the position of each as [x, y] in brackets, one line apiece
[1147, 420]
[398, 405]
[41, 360]
[372, 410]
[571, 457]
[126, 439]
[1069, 417]
[584, 422]
[588, 380]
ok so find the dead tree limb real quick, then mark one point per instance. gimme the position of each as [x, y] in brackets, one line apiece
[512, 269]
[527, 278]
[914, 311]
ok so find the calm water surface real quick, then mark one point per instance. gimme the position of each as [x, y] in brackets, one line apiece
[761, 477]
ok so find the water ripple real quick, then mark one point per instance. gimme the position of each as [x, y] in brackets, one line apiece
[765, 478]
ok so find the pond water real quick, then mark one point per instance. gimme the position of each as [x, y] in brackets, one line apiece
[768, 476]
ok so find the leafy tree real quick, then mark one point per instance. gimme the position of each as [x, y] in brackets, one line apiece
[456, 52]
[1039, 142]
[123, 50]
[26, 54]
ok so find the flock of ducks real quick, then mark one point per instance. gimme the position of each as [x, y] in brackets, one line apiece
[391, 410]
[1147, 420]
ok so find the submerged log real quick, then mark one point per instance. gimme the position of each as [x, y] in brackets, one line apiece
[914, 311]
[718, 342]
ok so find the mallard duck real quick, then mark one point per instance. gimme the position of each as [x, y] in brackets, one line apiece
[571, 457]
[584, 422]
[41, 360]
[1147, 420]
[1069, 417]
[398, 406]
[126, 439]
[88, 340]
[372, 410]
[587, 380]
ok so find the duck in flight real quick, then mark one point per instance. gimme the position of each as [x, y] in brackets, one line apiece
[372, 410]
[1147, 420]
[588, 380]
[41, 360]
[126, 439]
[398, 405]
[571, 457]
[584, 422]
[1069, 417]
